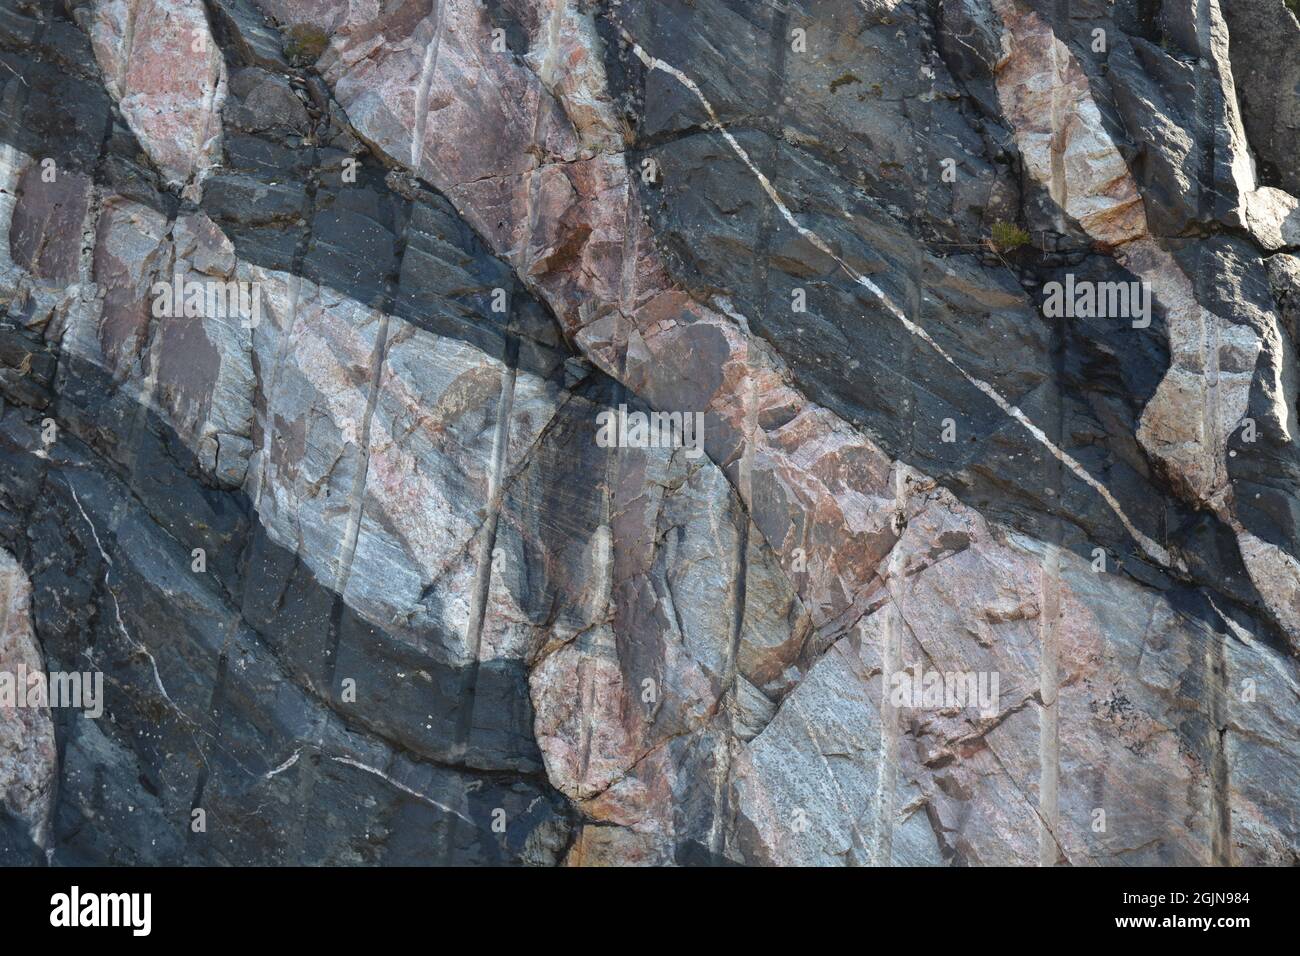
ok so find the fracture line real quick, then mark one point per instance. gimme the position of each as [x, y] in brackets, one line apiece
[1153, 550]
[117, 608]
[293, 759]
[402, 787]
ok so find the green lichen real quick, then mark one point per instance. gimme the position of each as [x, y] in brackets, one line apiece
[304, 43]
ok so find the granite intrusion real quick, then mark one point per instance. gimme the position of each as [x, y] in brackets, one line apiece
[365, 587]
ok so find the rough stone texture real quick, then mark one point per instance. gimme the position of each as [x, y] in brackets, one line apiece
[1266, 63]
[162, 66]
[27, 748]
[366, 589]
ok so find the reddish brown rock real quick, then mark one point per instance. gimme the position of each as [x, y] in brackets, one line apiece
[161, 64]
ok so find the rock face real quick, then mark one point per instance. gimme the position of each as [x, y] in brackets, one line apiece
[562, 432]
[27, 750]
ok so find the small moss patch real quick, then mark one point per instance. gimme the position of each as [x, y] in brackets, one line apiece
[844, 80]
[304, 43]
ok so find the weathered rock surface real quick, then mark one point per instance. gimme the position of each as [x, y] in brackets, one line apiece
[161, 65]
[363, 583]
[27, 748]
[1266, 64]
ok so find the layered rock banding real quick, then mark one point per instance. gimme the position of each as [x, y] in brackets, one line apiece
[364, 586]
